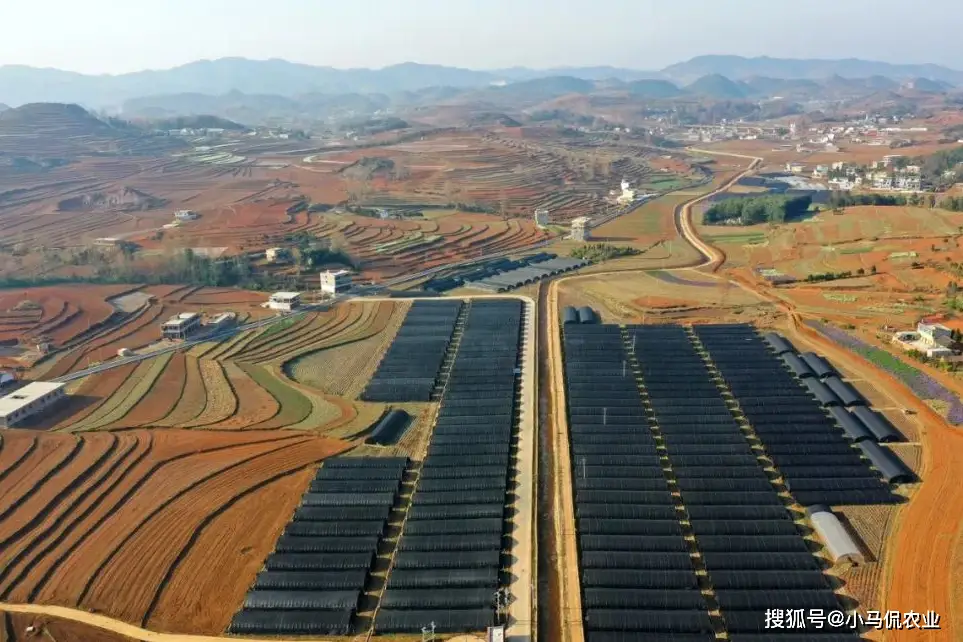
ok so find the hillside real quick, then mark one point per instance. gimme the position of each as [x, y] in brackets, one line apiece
[254, 109]
[739, 68]
[202, 121]
[653, 89]
[716, 86]
[57, 131]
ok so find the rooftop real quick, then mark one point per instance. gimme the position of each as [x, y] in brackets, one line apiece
[337, 272]
[182, 318]
[285, 296]
[30, 392]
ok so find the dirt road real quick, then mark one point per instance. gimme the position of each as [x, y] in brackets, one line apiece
[123, 628]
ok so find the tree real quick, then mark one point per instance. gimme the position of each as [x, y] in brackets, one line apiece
[872, 270]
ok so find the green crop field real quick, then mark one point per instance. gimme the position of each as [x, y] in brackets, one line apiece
[747, 238]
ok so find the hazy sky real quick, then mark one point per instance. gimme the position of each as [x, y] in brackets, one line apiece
[116, 36]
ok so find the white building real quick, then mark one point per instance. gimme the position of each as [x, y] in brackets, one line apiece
[580, 229]
[30, 400]
[795, 168]
[628, 194]
[275, 254]
[932, 339]
[185, 215]
[541, 217]
[284, 301]
[335, 281]
[821, 171]
[220, 322]
[907, 182]
[933, 332]
[181, 326]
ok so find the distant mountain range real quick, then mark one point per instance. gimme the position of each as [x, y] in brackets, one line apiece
[21, 84]
[516, 98]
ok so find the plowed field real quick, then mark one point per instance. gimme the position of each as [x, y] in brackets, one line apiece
[164, 527]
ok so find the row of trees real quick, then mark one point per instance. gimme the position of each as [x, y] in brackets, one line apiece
[952, 203]
[183, 267]
[840, 199]
[597, 252]
[757, 209]
[933, 167]
[832, 276]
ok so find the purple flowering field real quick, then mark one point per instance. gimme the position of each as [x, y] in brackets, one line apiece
[671, 278]
[923, 385]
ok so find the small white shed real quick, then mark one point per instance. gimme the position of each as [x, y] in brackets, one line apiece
[839, 543]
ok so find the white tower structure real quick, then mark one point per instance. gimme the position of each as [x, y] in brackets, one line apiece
[580, 229]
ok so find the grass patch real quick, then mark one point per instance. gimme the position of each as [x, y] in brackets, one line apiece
[274, 328]
[839, 298]
[748, 238]
[856, 250]
[664, 184]
[294, 407]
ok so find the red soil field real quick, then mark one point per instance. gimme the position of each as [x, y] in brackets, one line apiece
[93, 392]
[192, 399]
[154, 407]
[137, 331]
[219, 543]
[135, 523]
[255, 404]
[62, 313]
[223, 296]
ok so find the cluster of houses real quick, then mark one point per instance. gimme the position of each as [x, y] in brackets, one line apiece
[881, 175]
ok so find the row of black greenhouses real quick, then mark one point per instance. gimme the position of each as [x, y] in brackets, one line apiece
[583, 314]
[825, 453]
[646, 418]
[532, 273]
[448, 569]
[314, 580]
[482, 271]
[409, 369]
[844, 402]
[636, 572]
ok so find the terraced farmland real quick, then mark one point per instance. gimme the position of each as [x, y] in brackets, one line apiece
[299, 376]
[159, 528]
